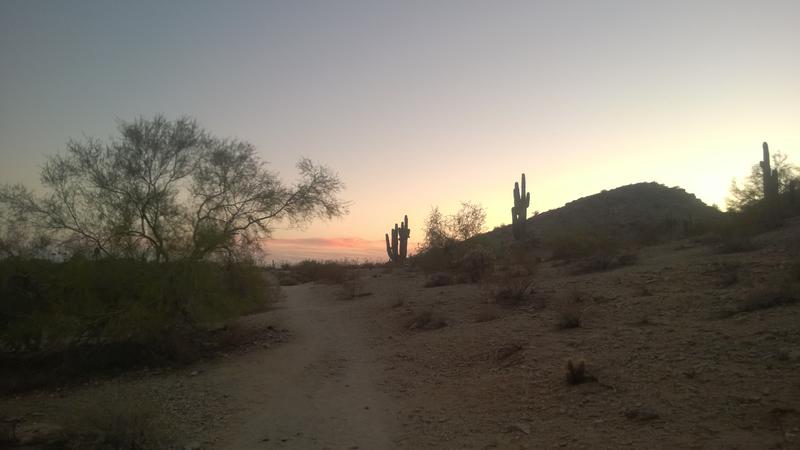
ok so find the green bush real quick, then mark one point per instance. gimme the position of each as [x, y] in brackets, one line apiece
[56, 305]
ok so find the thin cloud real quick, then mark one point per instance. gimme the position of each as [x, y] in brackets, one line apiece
[296, 249]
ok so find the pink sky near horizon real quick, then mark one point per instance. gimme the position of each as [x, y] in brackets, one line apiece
[297, 249]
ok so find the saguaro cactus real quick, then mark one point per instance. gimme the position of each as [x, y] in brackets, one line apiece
[770, 177]
[398, 248]
[519, 212]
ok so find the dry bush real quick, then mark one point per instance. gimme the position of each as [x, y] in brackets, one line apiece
[435, 259]
[476, 264]
[439, 279]
[512, 291]
[512, 285]
[577, 374]
[120, 425]
[770, 297]
[570, 316]
[427, 320]
[288, 277]
[333, 272]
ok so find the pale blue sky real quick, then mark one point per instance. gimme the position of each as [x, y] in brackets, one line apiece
[420, 103]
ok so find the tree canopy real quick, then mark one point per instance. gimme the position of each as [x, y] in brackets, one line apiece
[440, 230]
[165, 190]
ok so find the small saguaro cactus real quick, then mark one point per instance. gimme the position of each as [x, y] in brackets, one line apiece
[770, 177]
[519, 212]
[398, 248]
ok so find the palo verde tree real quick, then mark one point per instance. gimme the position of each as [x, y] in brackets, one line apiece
[441, 231]
[168, 190]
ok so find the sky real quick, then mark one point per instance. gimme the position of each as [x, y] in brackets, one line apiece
[418, 103]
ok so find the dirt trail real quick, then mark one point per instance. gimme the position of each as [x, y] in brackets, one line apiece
[317, 391]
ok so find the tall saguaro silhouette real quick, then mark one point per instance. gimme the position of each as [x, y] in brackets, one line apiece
[770, 177]
[519, 212]
[398, 248]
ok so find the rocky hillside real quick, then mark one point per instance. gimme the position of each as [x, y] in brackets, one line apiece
[630, 211]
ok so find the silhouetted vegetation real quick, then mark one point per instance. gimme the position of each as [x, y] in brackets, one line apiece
[136, 247]
[332, 272]
[519, 212]
[398, 248]
[168, 191]
[771, 180]
[441, 232]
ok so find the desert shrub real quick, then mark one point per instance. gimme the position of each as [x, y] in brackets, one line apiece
[577, 374]
[435, 260]
[50, 304]
[62, 320]
[569, 316]
[121, 425]
[512, 290]
[333, 272]
[287, 277]
[770, 297]
[427, 320]
[476, 264]
[439, 279]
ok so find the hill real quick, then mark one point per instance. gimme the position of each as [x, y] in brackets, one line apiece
[640, 211]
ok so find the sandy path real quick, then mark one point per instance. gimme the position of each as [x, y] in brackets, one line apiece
[317, 391]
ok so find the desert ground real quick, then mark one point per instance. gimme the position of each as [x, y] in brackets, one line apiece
[674, 359]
